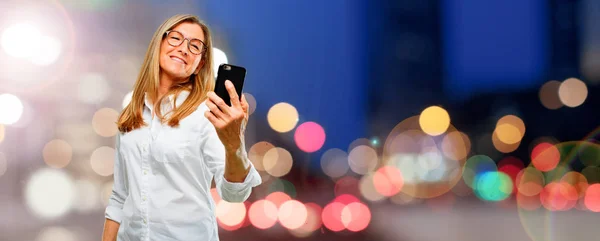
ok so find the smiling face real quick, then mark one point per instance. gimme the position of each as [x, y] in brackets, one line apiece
[178, 63]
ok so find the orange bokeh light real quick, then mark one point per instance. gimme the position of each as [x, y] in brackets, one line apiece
[545, 157]
[592, 197]
[388, 181]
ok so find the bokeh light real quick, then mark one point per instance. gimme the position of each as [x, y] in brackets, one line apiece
[3, 164]
[251, 103]
[528, 203]
[54, 233]
[545, 157]
[356, 216]
[106, 192]
[87, 195]
[510, 129]
[57, 153]
[572, 92]
[263, 214]
[530, 181]
[363, 159]
[313, 221]
[359, 142]
[549, 95]
[493, 186]
[257, 153]
[292, 214]
[93, 88]
[347, 185]
[511, 166]
[334, 163]
[332, 216]
[388, 181]
[49, 193]
[309, 137]
[553, 197]
[2, 133]
[104, 122]
[475, 166]
[281, 185]
[503, 147]
[102, 160]
[577, 181]
[278, 162]
[230, 214]
[11, 109]
[21, 40]
[278, 198]
[48, 50]
[127, 99]
[456, 145]
[219, 57]
[282, 117]
[367, 189]
[592, 197]
[434, 120]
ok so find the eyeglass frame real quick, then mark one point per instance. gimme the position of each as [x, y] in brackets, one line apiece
[204, 47]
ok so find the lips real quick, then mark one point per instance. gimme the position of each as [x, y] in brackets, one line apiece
[175, 58]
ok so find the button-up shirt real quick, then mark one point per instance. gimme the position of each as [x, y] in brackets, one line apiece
[163, 175]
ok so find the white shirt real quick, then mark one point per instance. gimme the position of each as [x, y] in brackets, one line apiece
[162, 179]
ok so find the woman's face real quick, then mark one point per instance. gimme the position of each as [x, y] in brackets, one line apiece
[179, 62]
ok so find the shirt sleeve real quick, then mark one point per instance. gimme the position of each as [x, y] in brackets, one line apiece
[213, 153]
[114, 210]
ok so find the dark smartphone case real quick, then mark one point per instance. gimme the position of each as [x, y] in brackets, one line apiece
[236, 75]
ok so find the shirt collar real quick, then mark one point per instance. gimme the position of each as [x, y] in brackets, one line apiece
[168, 102]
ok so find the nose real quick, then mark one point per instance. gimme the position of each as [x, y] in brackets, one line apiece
[183, 47]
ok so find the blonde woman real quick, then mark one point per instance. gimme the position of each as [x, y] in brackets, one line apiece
[176, 135]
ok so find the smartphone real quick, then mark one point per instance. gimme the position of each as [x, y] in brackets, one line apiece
[236, 75]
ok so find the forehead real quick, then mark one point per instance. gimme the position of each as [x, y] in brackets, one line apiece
[190, 30]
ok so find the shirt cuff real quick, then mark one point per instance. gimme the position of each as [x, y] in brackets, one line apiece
[114, 213]
[253, 179]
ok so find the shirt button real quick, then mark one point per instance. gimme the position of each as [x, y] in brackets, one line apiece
[144, 220]
[144, 198]
[145, 172]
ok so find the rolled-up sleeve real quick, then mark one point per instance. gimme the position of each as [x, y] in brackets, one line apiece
[213, 153]
[114, 210]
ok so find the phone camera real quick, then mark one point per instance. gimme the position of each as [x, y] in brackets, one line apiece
[227, 67]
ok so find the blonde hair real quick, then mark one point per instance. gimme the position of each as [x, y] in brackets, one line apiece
[148, 80]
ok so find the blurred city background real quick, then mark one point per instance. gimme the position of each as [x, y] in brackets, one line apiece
[371, 120]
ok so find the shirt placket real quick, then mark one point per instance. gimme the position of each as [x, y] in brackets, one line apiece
[146, 178]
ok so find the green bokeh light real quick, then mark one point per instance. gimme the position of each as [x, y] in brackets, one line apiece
[493, 186]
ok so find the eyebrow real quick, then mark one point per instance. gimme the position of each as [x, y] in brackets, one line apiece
[186, 36]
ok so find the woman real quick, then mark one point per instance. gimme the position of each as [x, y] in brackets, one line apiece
[176, 135]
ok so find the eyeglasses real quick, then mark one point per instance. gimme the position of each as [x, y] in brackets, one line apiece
[175, 38]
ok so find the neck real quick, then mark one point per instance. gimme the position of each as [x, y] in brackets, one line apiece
[165, 84]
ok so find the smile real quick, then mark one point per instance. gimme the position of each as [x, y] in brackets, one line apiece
[178, 59]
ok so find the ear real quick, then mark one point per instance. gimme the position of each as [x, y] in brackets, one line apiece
[199, 67]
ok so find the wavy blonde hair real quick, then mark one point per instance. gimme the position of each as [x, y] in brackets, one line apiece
[148, 80]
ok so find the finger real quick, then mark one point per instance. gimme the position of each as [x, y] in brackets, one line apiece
[235, 99]
[245, 105]
[216, 100]
[213, 119]
[215, 110]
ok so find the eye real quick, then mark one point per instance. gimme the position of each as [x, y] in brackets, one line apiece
[174, 37]
[195, 47]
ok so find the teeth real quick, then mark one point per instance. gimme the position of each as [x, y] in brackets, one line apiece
[178, 60]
